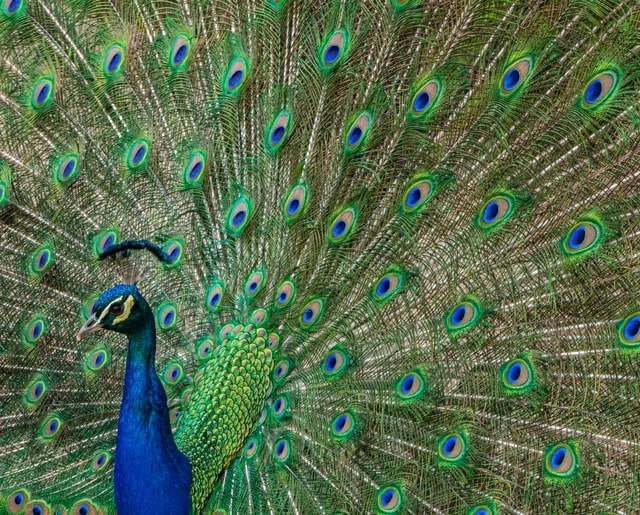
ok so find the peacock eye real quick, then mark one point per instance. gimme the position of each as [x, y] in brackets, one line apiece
[116, 309]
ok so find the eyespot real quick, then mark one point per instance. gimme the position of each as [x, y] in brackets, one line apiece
[194, 169]
[37, 508]
[561, 462]
[282, 451]
[214, 297]
[42, 93]
[517, 375]
[279, 131]
[463, 316]
[113, 62]
[97, 359]
[516, 75]
[343, 426]
[358, 132]
[174, 414]
[239, 215]
[295, 203]
[311, 313]
[280, 407]
[205, 349]
[138, 154]
[388, 286]
[100, 461]
[17, 501]
[273, 342]
[485, 509]
[334, 363]
[286, 294]
[334, 49]
[452, 448]
[254, 284]
[174, 249]
[496, 211]
[84, 507]
[600, 88]
[425, 99]
[104, 240]
[11, 8]
[252, 447]
[36, 391]
[342, 225]
[281, 370]
[67, 169]
[166, 317]
[173, 373]
[51, 427]
[236, 76]
[35, 329]
[582, 238]
[226, 332]
[42, 259]
[418, 193]
[259, 317]
[389, 499]
[411, 386]
[629, 332]
[179, 53]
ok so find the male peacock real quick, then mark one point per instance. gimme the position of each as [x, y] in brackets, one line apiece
[398, 242]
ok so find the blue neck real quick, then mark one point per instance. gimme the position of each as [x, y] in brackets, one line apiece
[151, 474]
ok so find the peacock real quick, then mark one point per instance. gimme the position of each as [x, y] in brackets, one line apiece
[301, 256]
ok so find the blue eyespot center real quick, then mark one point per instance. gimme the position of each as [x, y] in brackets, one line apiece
[558, 457]
[278, 405]
[53, 425]
[215, 299]
[407, 384]
[180, 54]
[594, 91]
[632, 328]
[114, 62]
[239, 217]
[293, 206]
[18, 499]
[421, 101]
[67, 170]
[414, 197]
[355, 135]
[482, 512]
[37, 330]
[458, 314]
[341, 422]
[43, 259]
[195, 170]
[331, 362]
[339, 228]
[450, 445]
[236, 78]
[174, 373]
[36, 510]
[43, 93]
[491, 212]
[282, 297]
[332, 53]
[307, 316]
[100, 460]
[13, 6]
[99, 359]
[514, 373]
[384, 286]
[83, 510]
[278, 374]
[387, 497]
[280, 448]
[577, 237]
[107, 242]
[277, 135]
[168, 317]
[139, 154]
[253, 287]
[38, 390]
[175, 253]
[511, 79]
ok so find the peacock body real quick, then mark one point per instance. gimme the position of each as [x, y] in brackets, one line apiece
[398, 249]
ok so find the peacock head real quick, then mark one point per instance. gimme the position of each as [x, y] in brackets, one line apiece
[121, 309]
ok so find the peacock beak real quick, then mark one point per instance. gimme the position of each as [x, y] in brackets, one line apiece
[91, 326]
